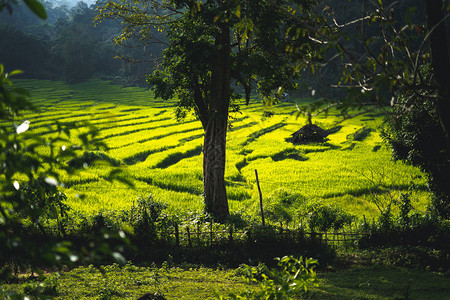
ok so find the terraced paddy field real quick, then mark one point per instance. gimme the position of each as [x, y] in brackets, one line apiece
[352, 170]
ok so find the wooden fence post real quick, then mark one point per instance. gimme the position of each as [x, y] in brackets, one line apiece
[230, 237]
[260, 199]
[345, 240]
[211, 233]
[198, 234]
[189, 237]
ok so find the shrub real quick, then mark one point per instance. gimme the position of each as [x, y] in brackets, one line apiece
[237, 220]
[409, 239]
[47, 287]
[41, 203]
[281, 205]
[325, 217]
[144, 216]
[286, 197]
[277, 212]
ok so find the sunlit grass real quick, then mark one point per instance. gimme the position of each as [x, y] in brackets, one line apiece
[163, 157]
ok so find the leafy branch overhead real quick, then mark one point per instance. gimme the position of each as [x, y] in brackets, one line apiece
[35, 6]
[395, 58]
[380, 55]
[190, 30]
[31, 167]
[216, 51]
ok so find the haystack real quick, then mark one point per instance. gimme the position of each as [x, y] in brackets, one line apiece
[310, 133]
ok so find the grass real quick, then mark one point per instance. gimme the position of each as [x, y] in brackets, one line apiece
[130, 282]
[163, 157]
[383, 283]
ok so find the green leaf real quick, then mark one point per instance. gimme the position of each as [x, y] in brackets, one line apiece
[119, 258]
[15, 72]
[238, 11]
[36, 7]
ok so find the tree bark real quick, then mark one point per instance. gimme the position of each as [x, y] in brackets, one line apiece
[216, 201]
[440, 62]
[214, 148]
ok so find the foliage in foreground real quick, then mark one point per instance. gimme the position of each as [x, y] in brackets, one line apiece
[195, 282]
[130, 282]
[155, 235]
[421, 241]
[291, 279]
[30, 172]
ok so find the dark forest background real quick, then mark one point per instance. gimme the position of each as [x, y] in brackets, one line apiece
[67, 46]
[70, 46]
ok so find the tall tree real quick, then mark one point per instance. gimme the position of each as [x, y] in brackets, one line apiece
[213, 45]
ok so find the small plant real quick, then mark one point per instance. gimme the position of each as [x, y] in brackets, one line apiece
[237, 220]
[286, 197]
[43, 202]
[282, 204]
[108, 292]
[292, 278]
[144, 215]
[405, 208]
[47, 287]
[277, 212]
[326, 217]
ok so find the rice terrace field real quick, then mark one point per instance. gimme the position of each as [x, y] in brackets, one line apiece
[351, 172]
[163, 157]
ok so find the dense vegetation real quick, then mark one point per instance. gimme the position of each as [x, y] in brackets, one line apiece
[373, 188]
[78, 193]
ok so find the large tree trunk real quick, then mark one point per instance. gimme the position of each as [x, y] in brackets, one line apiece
[216, 129]
[214, 167]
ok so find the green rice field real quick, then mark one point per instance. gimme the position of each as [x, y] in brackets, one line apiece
[163, 157]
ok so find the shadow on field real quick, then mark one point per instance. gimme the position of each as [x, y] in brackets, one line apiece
[376, 190]
[174, 158]
[142, 156]
[172, 186]
[279, 156]
[382, 283]
[253, 136]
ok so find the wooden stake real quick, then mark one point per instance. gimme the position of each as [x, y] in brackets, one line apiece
[211, 233]
[189, 237]
[260, 199]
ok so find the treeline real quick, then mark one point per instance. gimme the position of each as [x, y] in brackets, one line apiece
[69, 46]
